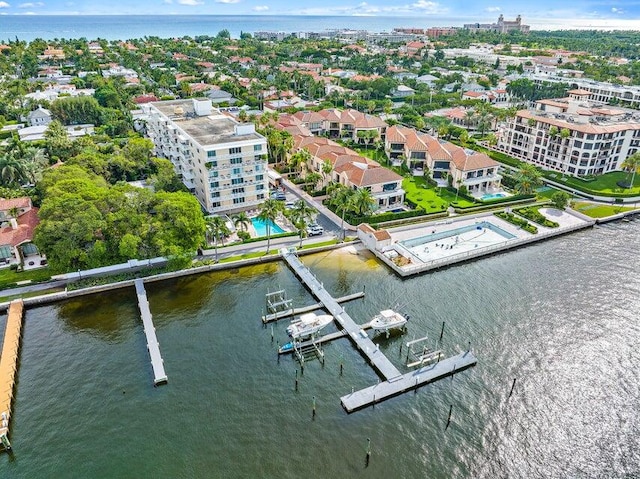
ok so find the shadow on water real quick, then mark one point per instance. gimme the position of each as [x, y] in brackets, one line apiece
[107, 315]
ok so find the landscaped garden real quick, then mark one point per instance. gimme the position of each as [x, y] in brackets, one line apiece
[430, 198]
[598, 211]
[603, 185]
[532, 214]
[516, 220]
[9, 277]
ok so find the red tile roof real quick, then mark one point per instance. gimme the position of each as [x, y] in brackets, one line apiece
[27, 223]
[7, 204]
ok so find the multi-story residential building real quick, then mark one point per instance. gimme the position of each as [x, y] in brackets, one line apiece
[342, 123]
[352, 170]
[446, 161]
[221, 161]
[572, 136]
[598, 92]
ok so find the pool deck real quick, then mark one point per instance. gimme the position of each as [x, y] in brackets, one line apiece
[457, 248]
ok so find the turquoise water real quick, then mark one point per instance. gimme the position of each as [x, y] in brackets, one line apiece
[410, 243]
[493, 196]
[564, 323]
[261, 227]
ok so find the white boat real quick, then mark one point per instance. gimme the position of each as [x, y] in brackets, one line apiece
[308, 324]
[388, 319]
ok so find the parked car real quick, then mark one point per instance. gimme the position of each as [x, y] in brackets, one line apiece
[289, 204]
[315, 230]
[278, 195]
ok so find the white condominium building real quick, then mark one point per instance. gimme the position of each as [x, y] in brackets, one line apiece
[572, 136]
[221, 161]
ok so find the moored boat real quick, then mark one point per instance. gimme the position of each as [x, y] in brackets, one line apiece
[388, 319]
[308, 324]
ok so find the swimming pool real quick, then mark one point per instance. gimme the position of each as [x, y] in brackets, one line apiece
[493, 196]
[411, 243]
[261, 227]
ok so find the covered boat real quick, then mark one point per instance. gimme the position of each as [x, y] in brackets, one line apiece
[388, 319]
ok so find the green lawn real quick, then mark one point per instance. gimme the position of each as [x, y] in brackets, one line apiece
[604, 185]
[430, 198]
[546, 192]
[599, 211]
[9, 277]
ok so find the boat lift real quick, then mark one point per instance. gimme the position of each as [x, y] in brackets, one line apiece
[304, 350]
[423, 356]
[277, 301]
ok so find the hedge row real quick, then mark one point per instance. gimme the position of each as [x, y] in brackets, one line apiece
[532, 214]
[262, 238]
[515, 220]
[389, 216]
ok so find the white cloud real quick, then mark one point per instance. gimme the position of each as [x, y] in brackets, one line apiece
[31, 5]
[260, 8]
[492, 9]
[191, 3]
[167, 2]
[616, 10]
[423, 7]
[4, 5]
[227, 1]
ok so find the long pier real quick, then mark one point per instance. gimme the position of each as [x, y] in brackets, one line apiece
[395, 382]
[307, 309]
[411, 380]
[9, 366]
[150, 331]
[354, 331]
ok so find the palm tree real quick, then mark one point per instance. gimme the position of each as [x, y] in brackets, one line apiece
[363, 202]
[632, 164]
[269, 211]
[528, 179]
[12, 171]
[216, 229]
[341, 198]
[312, 178]
[300, 216]
[327, 168]
[34, 163]
[241, 220]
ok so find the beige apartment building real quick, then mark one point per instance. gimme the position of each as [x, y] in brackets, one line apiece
[221, 161]
[573, 136]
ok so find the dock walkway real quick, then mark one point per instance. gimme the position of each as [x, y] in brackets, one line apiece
[9, 364]
[150, 331]
[307, 309]
[354, 331]
[411, 380]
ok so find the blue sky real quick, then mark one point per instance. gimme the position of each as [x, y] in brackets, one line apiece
[538, 13]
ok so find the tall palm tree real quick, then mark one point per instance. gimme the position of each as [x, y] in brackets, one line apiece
[632, 164]
[363, 202]
[242, 221]
[341, 199]
[269, 211]
[300, 216]
[216, 229]
[528, 179]
[12, 171]
[326, 170]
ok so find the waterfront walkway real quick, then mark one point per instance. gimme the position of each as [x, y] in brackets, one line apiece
[354, 331]
[150, 331]
[9, 364]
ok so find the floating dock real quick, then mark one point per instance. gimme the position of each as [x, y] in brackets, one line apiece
[9, 366]
[150, 331]
[411, 380]
[307, 309]
[354, 331]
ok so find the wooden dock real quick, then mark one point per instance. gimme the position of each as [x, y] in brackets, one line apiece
[150, 331]
[9, 366]
[411, 380]
[307, 309]
[354, 331]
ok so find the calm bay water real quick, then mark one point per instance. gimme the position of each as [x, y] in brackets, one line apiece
[561, 317]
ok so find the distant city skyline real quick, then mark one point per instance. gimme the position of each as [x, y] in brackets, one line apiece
[541, 14]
